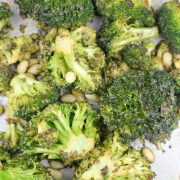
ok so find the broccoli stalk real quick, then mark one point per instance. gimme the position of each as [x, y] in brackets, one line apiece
[114, 160]
[66, 47]
[64, 131]
[27, 96]
[115, 36]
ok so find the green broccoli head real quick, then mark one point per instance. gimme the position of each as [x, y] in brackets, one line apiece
[5, 15]
[114, 9]
[78, 53]
[63, 131]
[17, 48]
[114, 36]
[6, 74]
[58, 13]
[141, 105]
[114, 160]
[21, 168]
[27, 96]
[169, 24]
[132, 11]
[138, 56]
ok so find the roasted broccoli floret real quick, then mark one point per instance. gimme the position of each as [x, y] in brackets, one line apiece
[5, 15]
[17, 48]
[76, 52]
[6, 74]
[27, 96]
[21, 168]
[133, 11]
[59, 13]
[63, 131]
[114, 69]
[114, 160]
[141, 105]
[114, 36]
[169, 24]
[138, 56]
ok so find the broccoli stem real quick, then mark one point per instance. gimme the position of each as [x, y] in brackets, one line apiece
[39, 150]
[70, 59]
[133, 35]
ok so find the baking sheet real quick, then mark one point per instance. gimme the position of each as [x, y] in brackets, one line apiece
[167, 163]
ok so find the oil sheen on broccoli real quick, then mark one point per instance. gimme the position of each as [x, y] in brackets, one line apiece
[114, 36]
[59, 13]
[63, 131]
[114, 160]
[5, 15]
[133, 11]
[76, 52]
[169, 24]
[141, 105]
[27, 96]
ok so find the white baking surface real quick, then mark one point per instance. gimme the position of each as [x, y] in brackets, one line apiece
[167, 163]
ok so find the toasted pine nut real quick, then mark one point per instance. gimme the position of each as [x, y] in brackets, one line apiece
[68, 98]
[57, 175]
[92, 97]
[35, 69]
[70, 77]
[177, 64]
[22, 67]
[56, 164]
[167, 59]
[148, 154]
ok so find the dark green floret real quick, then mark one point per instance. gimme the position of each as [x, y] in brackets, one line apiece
[169, 24]
[138, 56]
[141, 105]
[132, 11]
[62, 131]
[114, 36]
[27, 96]
[59, 13]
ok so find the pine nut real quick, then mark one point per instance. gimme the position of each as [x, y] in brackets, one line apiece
[148, 154]
[35, 69]
[167, 59]
[70, 77]
[22, 67]
[68, 98]
[92, 97]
